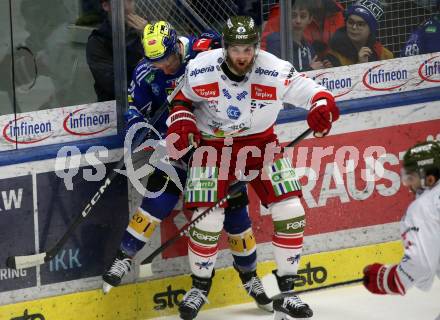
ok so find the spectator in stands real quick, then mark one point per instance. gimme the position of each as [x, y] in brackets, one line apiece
[426, 38]
[100, 49]
[304, 58]
[327, 17]
[357, 43]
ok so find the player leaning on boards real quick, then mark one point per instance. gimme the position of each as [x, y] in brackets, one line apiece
[420, 227]
[166, 57]
[237, 92]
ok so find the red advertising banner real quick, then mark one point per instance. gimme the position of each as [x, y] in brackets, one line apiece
[349, 180]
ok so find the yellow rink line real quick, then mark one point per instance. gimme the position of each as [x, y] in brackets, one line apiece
[150, 299]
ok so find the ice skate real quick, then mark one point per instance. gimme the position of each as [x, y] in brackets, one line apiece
[254, 288]
[119, 268]
[291, 306]
[195, 298]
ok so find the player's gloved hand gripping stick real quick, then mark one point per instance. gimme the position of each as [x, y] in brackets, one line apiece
[27, 261]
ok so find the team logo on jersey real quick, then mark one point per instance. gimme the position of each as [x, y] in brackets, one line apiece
[272, 73]
[150, 77]
[210, 90]
[233, 112]
[204, 265]
[242, 95]
[198, 71]
[262, 92]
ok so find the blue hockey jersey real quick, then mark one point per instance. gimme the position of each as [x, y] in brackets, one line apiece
[150, 87]
[425, 39]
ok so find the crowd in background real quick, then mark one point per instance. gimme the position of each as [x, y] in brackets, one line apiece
[325, 33]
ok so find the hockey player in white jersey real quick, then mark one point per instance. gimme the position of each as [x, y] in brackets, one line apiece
[420, 227]
[231, 99]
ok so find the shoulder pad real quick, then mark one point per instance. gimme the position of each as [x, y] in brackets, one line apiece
[144, 70]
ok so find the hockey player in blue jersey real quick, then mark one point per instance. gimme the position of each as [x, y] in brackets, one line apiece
[166, 56]
[426, 38]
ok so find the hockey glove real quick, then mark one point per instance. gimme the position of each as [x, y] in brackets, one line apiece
[182, 123]
[382, 279]
[208, 40]
[323, 112]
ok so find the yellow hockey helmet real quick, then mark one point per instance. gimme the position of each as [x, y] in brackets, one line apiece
[159, 40]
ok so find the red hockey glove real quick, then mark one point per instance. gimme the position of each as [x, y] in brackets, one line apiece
[208, 40]
[182, 122]
[323, 112]
[382, 279]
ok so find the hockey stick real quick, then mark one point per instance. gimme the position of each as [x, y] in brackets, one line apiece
[145, 269]
[27, 261]
[330, 286]
[272, 290]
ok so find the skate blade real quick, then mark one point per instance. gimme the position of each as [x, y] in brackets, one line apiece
[106, 287]
[266, 307]
[282, 316]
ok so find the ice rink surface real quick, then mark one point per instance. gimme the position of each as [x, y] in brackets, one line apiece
[346, 303]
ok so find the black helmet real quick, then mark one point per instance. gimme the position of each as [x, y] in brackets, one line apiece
[422, 158]
[240, 30]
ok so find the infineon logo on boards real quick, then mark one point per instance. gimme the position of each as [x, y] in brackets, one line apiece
[26, 130]
[429, 70]
[86, 122]
[383, 78]
[339, 86]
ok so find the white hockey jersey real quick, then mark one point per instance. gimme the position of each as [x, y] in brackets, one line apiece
[420, 229]
[227, 108]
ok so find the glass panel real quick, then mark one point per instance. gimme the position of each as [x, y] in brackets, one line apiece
[50, 64]
[329, 33]
[6, 93]
[271, 36]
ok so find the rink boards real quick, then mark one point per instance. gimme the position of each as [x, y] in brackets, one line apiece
[343, 226]
[352, 212]
[157, 298]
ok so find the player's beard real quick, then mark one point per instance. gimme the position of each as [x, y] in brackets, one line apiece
[240, 68]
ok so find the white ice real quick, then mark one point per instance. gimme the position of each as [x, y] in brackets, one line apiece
[346, 303]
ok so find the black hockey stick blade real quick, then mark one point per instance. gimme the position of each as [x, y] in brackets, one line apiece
[145, 268]
[33, 260]
[272, 290]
